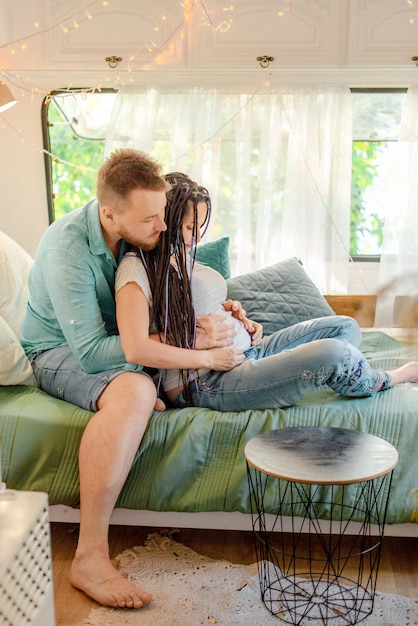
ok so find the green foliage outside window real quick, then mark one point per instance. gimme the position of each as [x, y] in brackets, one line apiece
[364, 172]
[76, 162]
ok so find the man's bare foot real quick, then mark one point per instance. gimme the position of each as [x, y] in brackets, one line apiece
[102, 582]
[408, 373]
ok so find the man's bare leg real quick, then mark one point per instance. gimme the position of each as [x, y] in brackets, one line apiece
[107, 449]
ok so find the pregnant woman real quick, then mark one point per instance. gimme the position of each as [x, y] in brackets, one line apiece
[160, 293]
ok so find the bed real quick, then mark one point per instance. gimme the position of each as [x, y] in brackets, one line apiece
[190, 469]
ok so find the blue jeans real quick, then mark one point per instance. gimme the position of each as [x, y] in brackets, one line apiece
[290, 364]
[58, 373]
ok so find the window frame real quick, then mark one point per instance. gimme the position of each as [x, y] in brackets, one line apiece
[48, 157]
[372, 258]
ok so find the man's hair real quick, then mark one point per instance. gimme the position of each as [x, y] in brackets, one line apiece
[125, 170]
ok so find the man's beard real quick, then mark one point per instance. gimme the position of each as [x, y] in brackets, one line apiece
[146, 245]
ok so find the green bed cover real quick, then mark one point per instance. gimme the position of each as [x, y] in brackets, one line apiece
[192, 459]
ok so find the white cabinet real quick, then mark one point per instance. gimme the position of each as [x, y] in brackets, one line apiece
[140, 32]
[382, 32]
[300, 33]
[207, 34]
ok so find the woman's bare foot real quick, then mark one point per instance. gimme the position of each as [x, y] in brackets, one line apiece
[408, 373]
[101, 581]
[159, 405]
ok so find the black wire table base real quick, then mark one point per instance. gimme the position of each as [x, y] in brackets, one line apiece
[305, 600]
[312, 568]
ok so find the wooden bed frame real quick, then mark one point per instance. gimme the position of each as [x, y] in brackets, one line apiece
[361, 307]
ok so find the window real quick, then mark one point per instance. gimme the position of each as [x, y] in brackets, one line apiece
[75, 127]
[377, 168]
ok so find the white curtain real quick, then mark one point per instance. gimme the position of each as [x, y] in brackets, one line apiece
[398, 273]
[276, 160]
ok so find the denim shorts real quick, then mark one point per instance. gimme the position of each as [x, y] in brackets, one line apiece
[58, 373]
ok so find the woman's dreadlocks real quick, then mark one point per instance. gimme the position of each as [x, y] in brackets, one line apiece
[169, 268]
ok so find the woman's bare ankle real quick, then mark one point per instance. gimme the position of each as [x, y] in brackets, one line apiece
[408, 373]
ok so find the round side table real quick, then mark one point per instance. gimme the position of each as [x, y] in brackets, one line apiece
[322, 479]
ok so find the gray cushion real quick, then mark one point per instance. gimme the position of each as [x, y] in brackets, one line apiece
[279, 295]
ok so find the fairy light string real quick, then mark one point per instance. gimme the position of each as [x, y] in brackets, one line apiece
[150, 48]
[46, 30]
[147, 54]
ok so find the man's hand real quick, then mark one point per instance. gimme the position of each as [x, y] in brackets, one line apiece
[214, 331]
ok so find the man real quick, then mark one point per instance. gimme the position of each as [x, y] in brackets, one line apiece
[71, 337]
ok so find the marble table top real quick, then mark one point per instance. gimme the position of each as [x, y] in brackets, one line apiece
[321, 455]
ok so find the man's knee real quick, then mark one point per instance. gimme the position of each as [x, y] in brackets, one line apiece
[131, 388]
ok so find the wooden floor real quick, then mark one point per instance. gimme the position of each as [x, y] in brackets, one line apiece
[398, 571]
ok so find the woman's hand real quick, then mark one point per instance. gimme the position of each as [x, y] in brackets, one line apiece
[254, 329]
[235, 308]
[224, 359]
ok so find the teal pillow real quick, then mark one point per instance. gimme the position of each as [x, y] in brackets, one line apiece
[216, 255]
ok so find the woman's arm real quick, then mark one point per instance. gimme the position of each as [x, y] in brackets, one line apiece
[132, 314]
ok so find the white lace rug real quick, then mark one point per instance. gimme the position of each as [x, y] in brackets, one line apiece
[192, 590]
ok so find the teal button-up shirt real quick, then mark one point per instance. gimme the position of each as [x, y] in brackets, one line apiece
[72, 293]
